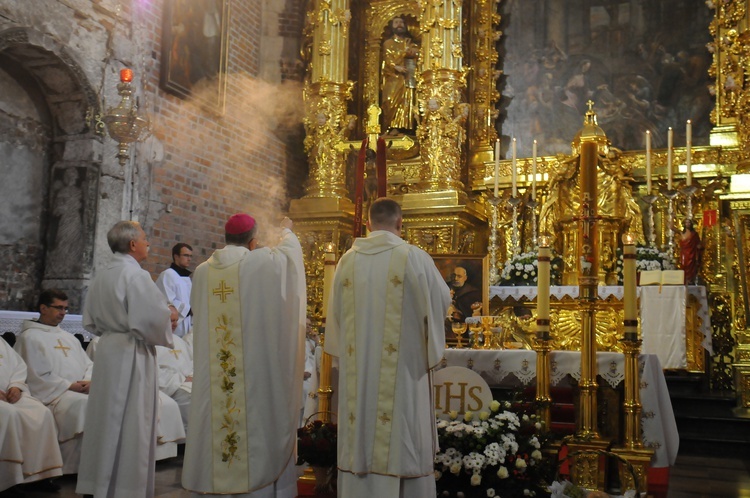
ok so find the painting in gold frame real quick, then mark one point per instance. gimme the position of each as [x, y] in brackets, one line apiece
[467, 276]
[195, 46]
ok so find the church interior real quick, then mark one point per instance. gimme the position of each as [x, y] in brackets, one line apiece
[594, 137]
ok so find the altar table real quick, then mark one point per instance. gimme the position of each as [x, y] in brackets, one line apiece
[509, 367]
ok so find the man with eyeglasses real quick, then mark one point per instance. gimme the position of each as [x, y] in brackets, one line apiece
[59, 372]
[175, 283]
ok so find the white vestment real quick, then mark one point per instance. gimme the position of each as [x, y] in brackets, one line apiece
[127, 310]
[28, 438]
[170, 430]
[175, 368]
[248, 330]
[385, 324]
[55, 359]
[177, 290]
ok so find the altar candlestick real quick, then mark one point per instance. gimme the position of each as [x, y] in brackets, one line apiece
[533, 172]
[542, 295]
[648, 163]
[669, 158]
[497, 164]
[688, 146]
[630, 314]
[329, 268]
[514, 173]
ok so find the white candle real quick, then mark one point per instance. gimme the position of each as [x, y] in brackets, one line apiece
[688, 146]
[533, 172]
[514, 173]
[497, 164]
[648, 163]
[669, 158]
[630, 299]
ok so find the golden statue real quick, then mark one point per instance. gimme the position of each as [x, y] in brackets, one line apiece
[399, 79]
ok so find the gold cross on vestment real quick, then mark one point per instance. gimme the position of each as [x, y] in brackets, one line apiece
[351, 418]
[62, 348]
[347, 283]
[390, 349]
[396, 281]
[176, 353]
[1, 357]
[350, 350]
[223, 291]
[384, 418]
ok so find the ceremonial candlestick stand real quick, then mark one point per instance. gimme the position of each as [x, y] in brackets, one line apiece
[670, 195]
[515, 235]
[632, 449]
[492, 247]
[325, 390]
[543, 343]
[649, 200]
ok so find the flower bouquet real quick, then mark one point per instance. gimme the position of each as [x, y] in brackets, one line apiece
[490, 454]
[522, 269]
[646, 258]
[316, 446]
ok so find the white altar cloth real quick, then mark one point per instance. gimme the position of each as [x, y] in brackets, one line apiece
[605, 291]
[519, 366]
[12, 321]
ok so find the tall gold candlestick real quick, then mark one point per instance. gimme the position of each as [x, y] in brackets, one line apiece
[325, 390]
[543, 290]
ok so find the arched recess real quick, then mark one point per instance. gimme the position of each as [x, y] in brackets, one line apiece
[66, 170]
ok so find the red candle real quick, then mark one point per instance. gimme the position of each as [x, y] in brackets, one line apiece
[126, 75]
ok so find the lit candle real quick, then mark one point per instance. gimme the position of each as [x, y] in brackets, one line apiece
[514, 173]
[648, 163]
[669, 158]
[497, 164]
[630, 314]
[542, 295]
[329, 268]
[533, 172]
[688, 146]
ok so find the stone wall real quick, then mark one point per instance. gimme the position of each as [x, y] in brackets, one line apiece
[199, 165]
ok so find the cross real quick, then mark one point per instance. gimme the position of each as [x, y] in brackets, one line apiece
[223, 291]
[350, 350]
[351, 418]
[176, 353]
[62, 348]
[391, 349]
[396, 281]
[384, 418]
[1, 357]
[347, 283]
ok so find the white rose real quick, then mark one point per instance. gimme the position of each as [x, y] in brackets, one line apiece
[502, 473]
[476, 479]
[520, 463]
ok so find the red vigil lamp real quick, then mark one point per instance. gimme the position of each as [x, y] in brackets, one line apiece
[126, 75]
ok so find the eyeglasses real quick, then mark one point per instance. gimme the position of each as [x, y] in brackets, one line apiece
[185, 255]
[60, 307]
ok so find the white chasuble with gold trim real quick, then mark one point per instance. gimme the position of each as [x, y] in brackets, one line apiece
[385, 324]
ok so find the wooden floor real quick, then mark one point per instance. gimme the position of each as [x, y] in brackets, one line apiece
[692, 476]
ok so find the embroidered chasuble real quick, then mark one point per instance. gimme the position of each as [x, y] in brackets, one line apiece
[248, 334]
[385, 324]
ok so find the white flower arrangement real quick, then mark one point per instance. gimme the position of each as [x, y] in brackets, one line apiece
[522, 269]
[646, 258]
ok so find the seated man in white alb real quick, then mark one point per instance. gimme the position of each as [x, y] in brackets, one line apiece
[59, 372]
[169, 428]
[176, 373]
[28, 438]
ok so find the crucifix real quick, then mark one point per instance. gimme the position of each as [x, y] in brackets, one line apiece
[62, 347]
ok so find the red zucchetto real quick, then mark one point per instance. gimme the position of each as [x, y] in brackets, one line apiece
[239, 223]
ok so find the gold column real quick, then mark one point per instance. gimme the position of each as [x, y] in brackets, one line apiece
[588, 282]
[325, 95]
[441, 132]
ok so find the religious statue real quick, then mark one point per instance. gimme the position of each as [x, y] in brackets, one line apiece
[398, 90]
[691, 251]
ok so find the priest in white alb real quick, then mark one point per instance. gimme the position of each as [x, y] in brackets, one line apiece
[248, 332]
[175, 283]
[385, 324]
[28, 438]
[59, 372]
[127, 310]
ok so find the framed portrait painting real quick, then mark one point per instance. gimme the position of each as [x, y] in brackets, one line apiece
[194, 50]
[467, 277]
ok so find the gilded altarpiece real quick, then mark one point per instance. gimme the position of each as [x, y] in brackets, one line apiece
[443, 169]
